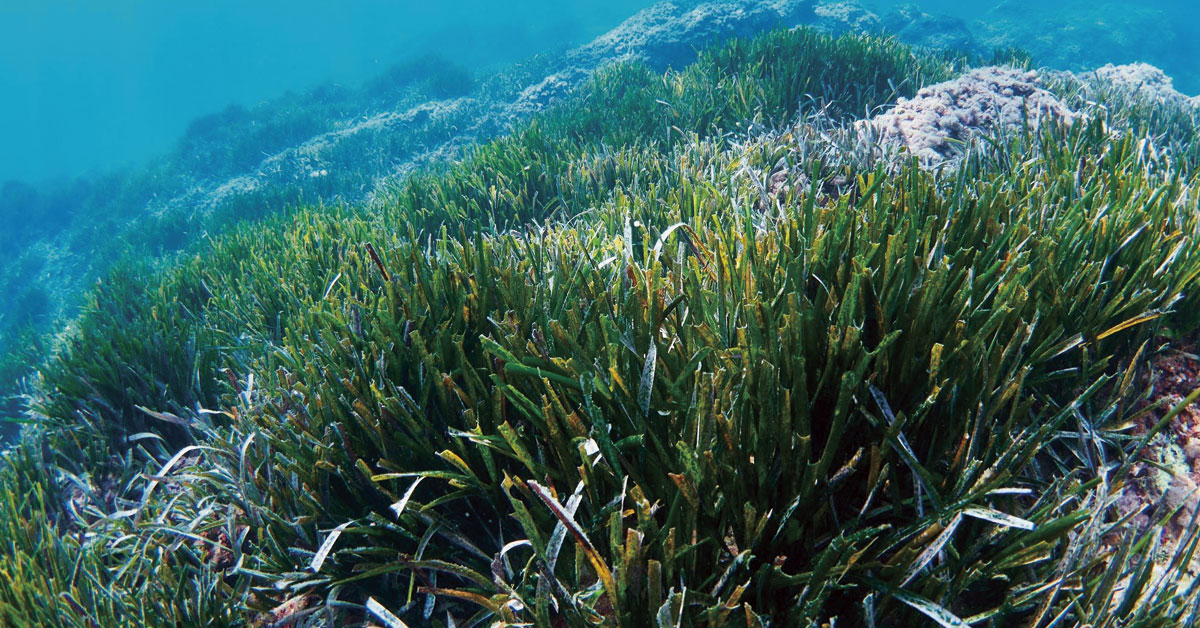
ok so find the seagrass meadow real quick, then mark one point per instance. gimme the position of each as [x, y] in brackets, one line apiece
[685, 350]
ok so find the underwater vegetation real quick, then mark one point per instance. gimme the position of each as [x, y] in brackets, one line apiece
[685, 350]
[344, 143]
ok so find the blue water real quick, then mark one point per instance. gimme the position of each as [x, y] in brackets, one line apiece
[93, 84]
[1080, 34]
[90, 85]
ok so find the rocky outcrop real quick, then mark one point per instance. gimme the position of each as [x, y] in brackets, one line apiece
[926, 30]
[1163, 481]
[942, 120]
[1141, 80]
[668, 34]
[1081, 34]
[554, 88]
[839, 16]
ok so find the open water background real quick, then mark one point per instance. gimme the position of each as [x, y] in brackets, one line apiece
[93, 85]
[97, 84]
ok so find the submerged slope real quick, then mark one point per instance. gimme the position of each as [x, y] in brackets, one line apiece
[678, 351]
[329, 144]
[337, 144]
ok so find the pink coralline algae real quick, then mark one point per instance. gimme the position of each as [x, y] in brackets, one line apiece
[1143, 79]
[941, 120]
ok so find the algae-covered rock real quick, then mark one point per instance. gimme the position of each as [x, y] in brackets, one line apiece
[1078, 34]
[669, 33]
[943, 119]
[845, 16]
[916, 27]
[1142, 79]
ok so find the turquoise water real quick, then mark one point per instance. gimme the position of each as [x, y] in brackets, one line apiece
[1079, 34]
[91, 84]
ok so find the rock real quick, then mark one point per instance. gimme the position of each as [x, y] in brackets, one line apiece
[1080, 34]
[552, 89]
[915, 27]
[942, 118]
[1192, 451]
[1181, 494]
[1140, 79]
[664, 35]
[842, 16]
[669, 33]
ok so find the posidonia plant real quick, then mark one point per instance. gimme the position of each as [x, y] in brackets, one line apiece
[662, 357]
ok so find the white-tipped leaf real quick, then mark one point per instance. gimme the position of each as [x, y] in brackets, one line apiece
[398, 507]
[326, 547]
[943, 617]
[383, 614]
[1010, 491]
[933, 550]
[999, 518]
[560, 530]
